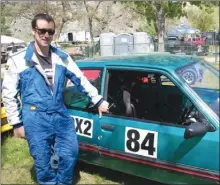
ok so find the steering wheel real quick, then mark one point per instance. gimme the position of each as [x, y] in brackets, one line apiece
[186, 112]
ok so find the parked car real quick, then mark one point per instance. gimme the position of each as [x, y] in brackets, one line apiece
[77, 56]
[172, 44]
[159, 126]
[199, 41]
[76, 53]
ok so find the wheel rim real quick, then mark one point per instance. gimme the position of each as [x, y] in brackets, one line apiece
[188, 77]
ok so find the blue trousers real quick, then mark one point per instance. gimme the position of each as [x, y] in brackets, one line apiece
[42, 129]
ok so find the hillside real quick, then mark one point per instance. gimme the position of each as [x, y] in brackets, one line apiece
[119, 21]
[110, 16]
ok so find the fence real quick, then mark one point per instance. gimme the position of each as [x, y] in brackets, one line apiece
[84, 50]
[206, 51]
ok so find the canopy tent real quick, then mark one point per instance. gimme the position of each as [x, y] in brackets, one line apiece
[174, 32]
[9, 40]
[183, 29]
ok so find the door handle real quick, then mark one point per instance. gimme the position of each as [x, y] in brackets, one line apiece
[107, 127]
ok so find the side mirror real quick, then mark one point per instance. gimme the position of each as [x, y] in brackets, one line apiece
[196, 129]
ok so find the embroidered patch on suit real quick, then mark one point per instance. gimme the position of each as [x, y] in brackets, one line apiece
[33, 108]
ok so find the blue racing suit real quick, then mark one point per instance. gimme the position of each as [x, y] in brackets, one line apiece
[42, 111]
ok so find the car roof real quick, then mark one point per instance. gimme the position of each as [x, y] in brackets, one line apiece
[151, 60]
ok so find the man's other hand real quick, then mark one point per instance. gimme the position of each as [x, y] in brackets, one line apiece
[103, 108]
[19, 132]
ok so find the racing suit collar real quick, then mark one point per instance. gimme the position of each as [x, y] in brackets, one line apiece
[30, 52]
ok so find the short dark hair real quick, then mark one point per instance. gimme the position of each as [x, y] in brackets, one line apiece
[42, 16]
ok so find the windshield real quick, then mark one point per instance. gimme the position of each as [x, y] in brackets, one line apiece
[204, 80]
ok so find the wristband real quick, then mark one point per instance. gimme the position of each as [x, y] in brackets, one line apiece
[18, 125]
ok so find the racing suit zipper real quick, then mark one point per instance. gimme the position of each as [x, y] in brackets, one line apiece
[38, 67]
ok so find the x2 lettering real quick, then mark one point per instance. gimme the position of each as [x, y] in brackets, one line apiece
[141, 142]
[83, 126]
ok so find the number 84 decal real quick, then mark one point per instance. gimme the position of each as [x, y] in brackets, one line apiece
[141, 142]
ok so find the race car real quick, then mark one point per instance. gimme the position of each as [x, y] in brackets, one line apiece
[160, 126]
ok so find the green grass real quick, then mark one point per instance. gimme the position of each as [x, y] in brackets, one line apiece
[17, 168]
[15, 152]
[17, 165]
[17, 175]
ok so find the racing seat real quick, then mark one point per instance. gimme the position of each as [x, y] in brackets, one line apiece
[129, 107]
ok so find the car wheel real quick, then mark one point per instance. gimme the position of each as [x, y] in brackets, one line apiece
[189, 76]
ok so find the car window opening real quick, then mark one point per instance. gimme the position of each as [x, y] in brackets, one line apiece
[73, 98]
[149, 96]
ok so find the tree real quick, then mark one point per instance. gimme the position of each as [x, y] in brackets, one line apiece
[62, 11]
[156, 13]
[5, 21]
[148, 28]
[68, 11]
[5, 29]
[90, 13]
[204, 16]
[201, 19]
[106, 16]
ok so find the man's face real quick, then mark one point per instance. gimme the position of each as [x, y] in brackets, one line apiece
[43, 33]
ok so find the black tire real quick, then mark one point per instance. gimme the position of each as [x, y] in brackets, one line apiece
[190, 76]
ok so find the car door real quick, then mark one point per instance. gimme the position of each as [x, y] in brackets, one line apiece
[126, 140]
[85, 118]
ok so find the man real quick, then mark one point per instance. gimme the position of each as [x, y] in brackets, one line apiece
[38, 75]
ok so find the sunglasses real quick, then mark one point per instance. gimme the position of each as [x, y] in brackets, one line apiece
[44, 31]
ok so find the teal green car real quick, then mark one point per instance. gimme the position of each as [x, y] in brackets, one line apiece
[163, 119]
